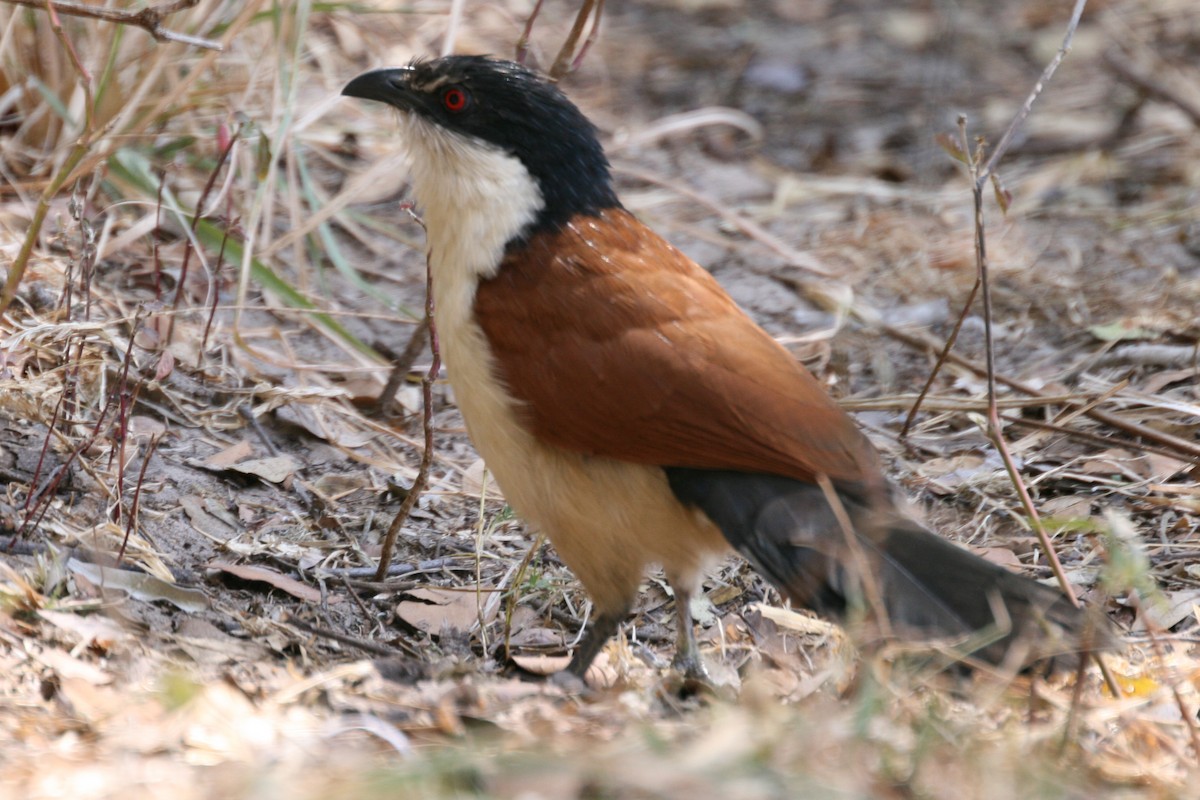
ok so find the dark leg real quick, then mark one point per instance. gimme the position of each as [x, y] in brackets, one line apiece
[598, 633]
[687, 659]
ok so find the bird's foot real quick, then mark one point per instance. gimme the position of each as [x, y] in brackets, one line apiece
[689, 677]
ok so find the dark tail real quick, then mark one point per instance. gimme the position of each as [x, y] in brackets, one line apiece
[928, 587]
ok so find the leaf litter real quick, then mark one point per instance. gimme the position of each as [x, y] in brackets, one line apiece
[263, 505]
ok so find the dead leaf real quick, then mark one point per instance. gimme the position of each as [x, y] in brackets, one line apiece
[434, 610]
[324, 426]
[166, 365]
[953, 471]
[1108, 462]
[537, 637]
[250, 572]
[475, 480]
[1071, 506]
[141, 586]
[702, 610]
[1163, 468]
[91, 629]
[229, 456]
[336, 485]
[794, 621]
[1120, 331]
[1158, 381]
[207, 644]
[68, 666]
[543, 665]
[204, 521]
[602, 674]
[275, 469]
[1168, 612]
[998, 555]
[143, 427]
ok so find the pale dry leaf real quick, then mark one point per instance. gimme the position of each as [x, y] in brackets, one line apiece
[68, 666]
[998, 555]
[337, 485]
[229, 456]
[475, 479]
[250, 572]
[1165, 614]
[540, 664]
[93, 702]
[793, 621]
[434, 610]
[602, 674]
[328, 427]
[206, 523]
[206, 644]
[1108, 462]
[92, 628]
[953, 471]
[1124, 330]
[143, 427]
[221, 725]
[165, 366]
[1068, 506]
[537, 637]
[274, 469]
[140, 586]
[1163, 468]
[1158, 381]
[702, 610]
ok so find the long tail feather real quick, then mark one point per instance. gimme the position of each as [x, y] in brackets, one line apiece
[928, 587]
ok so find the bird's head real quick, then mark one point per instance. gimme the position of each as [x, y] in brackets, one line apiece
[468, 117]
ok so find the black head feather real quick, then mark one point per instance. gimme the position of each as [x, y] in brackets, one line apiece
[514, 109]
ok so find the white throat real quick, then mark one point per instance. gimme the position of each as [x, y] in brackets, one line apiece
[474, 198]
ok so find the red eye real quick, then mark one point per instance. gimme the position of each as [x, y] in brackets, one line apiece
[455, 99]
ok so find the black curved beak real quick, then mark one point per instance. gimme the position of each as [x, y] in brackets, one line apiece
[383, 85]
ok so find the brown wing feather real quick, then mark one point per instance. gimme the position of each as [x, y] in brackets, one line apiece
[621, 346]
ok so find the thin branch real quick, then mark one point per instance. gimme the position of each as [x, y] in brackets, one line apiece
[148, 19]
[1026, 107]
[523, 43]
[941, 359]
[385, 404]
[979, 178]
[389, 540]
[1149, 85]
[1185, 447]
[865, 574]
[1154, 631]
[563, 62]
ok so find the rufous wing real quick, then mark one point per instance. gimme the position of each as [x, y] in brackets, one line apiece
[619, 345]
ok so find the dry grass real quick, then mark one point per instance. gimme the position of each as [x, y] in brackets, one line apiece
[193, 394]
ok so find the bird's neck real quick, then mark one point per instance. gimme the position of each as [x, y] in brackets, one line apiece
[474, 201]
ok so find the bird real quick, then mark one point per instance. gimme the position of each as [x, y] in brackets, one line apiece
[630, 410]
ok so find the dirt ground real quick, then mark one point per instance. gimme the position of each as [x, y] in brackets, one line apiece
[188, 600]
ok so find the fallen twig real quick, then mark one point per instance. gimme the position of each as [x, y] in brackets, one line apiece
[148, 19]
[1168, 441]
[418, 486]
[980, 175]
[1148, 84]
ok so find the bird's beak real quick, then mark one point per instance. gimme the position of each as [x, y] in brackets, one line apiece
[384, 85]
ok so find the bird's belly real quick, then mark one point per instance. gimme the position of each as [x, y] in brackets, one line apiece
[608, 519]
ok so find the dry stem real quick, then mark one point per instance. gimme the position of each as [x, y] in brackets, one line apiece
[389, 541]
[148, 19]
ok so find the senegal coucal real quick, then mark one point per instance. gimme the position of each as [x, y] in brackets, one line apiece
[627, 406]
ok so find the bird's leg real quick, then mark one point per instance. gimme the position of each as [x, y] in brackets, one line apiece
[687, 659]
[597, 635]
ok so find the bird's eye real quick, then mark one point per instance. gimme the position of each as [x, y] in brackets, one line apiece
[455, 99]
